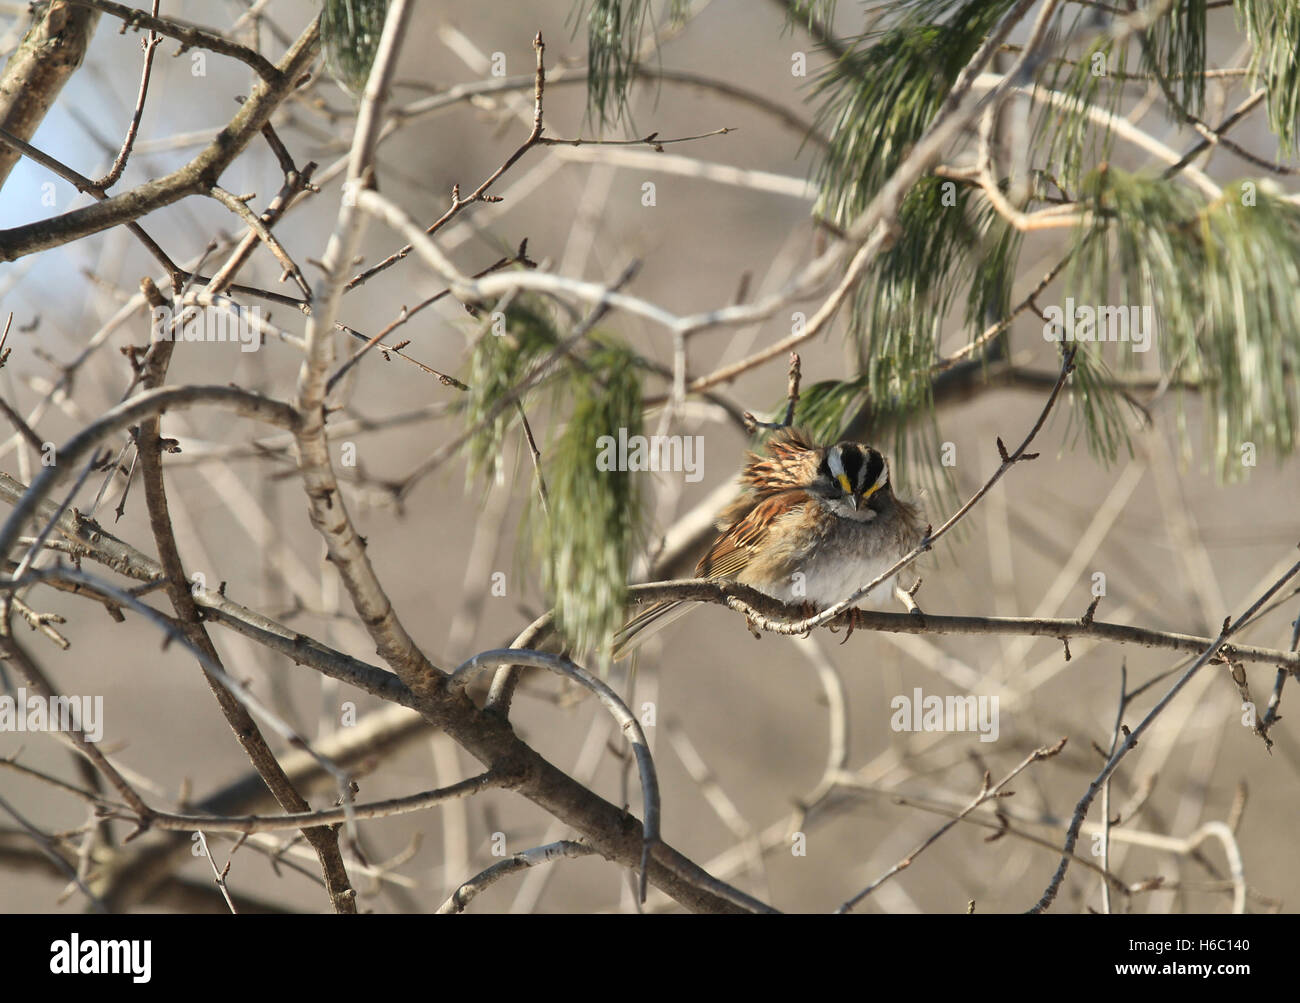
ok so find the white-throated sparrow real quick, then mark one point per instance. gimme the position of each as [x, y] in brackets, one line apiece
[812, 525]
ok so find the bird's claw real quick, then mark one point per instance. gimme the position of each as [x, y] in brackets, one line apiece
[809, 611]
[852, 624]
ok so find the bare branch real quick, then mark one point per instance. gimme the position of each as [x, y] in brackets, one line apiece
[194, 178]
[190, 36]
[466, 893]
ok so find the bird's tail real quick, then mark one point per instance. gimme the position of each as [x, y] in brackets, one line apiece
[649, 621]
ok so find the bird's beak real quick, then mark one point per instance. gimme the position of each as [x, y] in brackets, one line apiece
[848, 490]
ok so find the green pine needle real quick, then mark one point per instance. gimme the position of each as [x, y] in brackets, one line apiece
[350, 32]
[614, 34]
[804, 12]
[1175, 50]
[503, 355]
[879, 97]
[1273, 28]
[1223, 281]
[1067, 137]
[587, 539]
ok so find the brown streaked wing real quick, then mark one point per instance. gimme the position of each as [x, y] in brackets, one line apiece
[732, 551]
[736, 510]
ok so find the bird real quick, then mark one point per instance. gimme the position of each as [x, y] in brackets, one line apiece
[812, 525]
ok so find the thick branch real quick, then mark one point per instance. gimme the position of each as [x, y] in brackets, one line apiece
[328, 513]
[46, 58]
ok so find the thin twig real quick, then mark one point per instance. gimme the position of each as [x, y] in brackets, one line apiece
[479, 194]
[188, 35]
[249, 824]
[1130, 740]
[119, 163]
[988, 791]
[537, 459]
[520, 257]
[240, 208]
[752, 424]
[464, 894]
